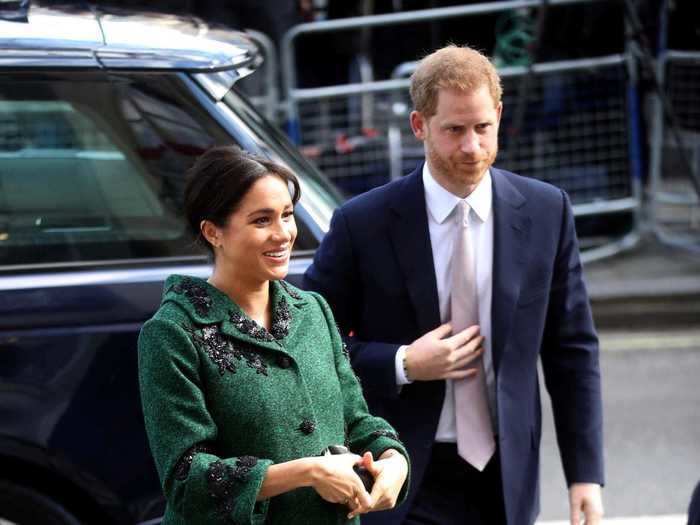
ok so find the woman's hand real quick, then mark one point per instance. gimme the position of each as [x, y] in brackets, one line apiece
[389, 473]
[335, 481]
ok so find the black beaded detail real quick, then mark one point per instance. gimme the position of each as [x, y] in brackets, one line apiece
[292, 293]
[281, 321]
[244, 464]
[222, 480]
[197, 295]
[182, 468]
[307, 427]
[224, 352]
[385, 433]
[221, 489]
[249, 327]
[284, 361]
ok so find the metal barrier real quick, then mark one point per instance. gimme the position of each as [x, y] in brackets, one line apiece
[576, 132]
[579, 135]
[294, 95]
[579, 128]
[675, 206]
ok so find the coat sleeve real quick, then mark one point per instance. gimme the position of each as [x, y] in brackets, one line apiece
[570, 362]
[365, 432]
[198, 484]
[334, 274]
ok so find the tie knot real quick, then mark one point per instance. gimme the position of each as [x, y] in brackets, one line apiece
[463, 213]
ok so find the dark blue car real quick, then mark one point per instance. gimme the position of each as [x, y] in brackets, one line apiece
[100, 117]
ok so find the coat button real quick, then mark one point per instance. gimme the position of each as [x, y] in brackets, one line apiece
[284, 361]
[307, 427]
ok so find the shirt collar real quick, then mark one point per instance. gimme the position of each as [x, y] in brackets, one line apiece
[441, 202]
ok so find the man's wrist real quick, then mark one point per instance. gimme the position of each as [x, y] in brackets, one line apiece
[404, 364]
[400, 367]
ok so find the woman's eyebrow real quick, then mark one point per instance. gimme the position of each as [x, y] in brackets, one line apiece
[269, 210]
[261, 210]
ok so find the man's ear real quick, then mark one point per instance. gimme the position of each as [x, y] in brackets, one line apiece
[418, 124]
[210, 232]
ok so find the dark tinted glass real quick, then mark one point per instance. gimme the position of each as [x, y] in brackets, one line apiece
[92, 167]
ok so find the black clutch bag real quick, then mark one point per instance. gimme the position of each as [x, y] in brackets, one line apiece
[362, 472]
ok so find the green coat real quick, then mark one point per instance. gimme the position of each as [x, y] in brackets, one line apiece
[223, 399]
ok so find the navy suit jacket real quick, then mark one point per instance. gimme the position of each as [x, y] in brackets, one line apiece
[375, 268]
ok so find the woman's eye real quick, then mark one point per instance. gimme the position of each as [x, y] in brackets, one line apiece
[288, 214]
[261, 220]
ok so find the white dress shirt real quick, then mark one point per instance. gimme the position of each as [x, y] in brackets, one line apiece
[442, 223]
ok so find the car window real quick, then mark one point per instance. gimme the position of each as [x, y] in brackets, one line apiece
[320, 197]
[92, 167]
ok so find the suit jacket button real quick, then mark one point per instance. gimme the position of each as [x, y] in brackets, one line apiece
[307, 427]
[284, 361]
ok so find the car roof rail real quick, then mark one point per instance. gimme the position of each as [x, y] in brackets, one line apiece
[14, 10]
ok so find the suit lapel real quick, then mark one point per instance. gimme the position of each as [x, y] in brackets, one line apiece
[411, 239]
[511, 233]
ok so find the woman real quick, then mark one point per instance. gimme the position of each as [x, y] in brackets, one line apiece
[244, 378]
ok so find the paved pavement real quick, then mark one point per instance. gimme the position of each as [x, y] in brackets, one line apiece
[674, 519]
[651, 286]
[651, 426]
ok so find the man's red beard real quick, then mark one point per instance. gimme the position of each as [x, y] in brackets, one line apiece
[454, 170]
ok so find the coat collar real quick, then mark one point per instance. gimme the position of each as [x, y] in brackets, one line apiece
[207, 305]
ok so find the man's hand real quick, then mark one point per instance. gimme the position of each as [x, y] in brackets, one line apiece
[437, 356]
[586, 498]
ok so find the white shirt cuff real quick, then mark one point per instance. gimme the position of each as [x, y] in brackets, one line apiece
[401, 378]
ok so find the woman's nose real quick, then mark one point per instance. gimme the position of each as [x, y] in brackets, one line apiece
[282, 232]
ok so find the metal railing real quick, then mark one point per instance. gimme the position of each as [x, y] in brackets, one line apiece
[579, 131]
[576, 133]
[674, 203]
[289, 70]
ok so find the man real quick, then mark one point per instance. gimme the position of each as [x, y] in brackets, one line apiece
[694, 507]
[450, 283]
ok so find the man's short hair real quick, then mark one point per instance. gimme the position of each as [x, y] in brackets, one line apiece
[452, 67]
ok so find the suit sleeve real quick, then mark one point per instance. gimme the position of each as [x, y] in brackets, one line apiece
[336, 275]
[202, 487]
[570, 360]
[365, 432]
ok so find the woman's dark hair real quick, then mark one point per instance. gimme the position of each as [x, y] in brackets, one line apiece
[218, 181]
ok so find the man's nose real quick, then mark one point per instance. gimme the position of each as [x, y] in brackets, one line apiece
[470, 142]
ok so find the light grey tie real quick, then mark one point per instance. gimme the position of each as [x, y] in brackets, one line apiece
[475, 441]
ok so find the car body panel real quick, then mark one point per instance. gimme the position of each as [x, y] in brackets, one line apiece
[70, 413]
